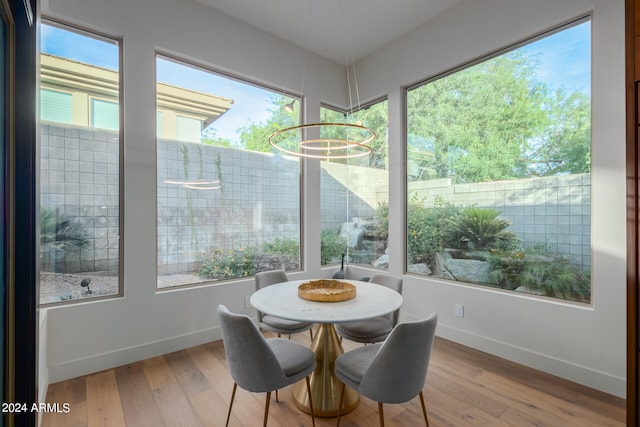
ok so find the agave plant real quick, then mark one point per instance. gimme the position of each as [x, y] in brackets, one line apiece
[477, 228]
[60, 232]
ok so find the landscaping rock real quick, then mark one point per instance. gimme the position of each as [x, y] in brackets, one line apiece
[422, 269]
[382, 262]
[441, 260]
[526, 290]
[352, 232]
[468, 270]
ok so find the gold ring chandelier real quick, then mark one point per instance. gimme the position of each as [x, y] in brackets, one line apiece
[323, 140]
[348, 141]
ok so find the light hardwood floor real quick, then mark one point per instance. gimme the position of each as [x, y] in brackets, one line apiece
[192, 387]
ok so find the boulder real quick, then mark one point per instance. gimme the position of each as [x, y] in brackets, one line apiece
[422, 269]
[382, 262]
[352, 232]
[441, 260]
[527, 290]
[468, 270]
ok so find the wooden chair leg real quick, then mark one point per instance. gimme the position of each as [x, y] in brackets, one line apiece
[277, 396]
[233, 395]
[311, 333]
[424, 409]
[340, 404]
[380, 414]
[266, 409]
[313, 419]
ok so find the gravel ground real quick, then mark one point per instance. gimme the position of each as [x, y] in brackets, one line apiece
[61, 287]
[55, 287]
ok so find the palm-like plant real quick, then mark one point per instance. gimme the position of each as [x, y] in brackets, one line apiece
[60, 232]
[477, 228]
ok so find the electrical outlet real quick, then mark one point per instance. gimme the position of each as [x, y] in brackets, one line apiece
[247, 302]
[459, 310]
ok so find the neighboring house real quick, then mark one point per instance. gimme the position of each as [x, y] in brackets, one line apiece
[85, 95]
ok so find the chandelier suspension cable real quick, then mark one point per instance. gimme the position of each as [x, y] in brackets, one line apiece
[289, 66]
[355, 81]
[351, 140]
[286, 79]
[349, 59]
[348, 55]
[351, 111]
[304, 58]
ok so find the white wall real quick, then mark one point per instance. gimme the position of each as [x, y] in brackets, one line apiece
[96, 335]
[584, 344]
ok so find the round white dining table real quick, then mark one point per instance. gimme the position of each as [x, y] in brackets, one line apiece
[282, 300]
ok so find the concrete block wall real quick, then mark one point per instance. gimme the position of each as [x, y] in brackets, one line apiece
[260, 200]
[349, 192]
[79, 178]
[554, 211]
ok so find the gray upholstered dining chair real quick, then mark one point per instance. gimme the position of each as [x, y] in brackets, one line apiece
[276, 324]
[378, 328]
[261, 365]
[391, 372]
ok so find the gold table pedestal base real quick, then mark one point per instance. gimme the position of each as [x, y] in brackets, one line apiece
[325, 386]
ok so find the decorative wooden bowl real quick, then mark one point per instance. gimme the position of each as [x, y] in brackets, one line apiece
[326, 291]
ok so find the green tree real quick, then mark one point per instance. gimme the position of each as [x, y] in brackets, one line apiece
[255, 136]
[564, 145]
[478, 121]
[375, 117]
[210, 137]
[494, 121]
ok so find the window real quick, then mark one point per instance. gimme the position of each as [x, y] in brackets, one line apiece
[228, 204]
[355, 195]
[105, 114]
[55, 106]
[158, 123]
[498, 170]
[188, 129]
[79, 165]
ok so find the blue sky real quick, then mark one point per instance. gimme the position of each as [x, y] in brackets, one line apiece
[67, 44]
[564, 57]
[250, 103]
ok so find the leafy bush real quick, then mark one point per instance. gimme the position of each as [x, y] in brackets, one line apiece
[382, 219]
[540, 272]
[332, 246]
[60, 232]
[426, 226]
[558, 278]
[282, 246]
[477, 228]
[505, 268]
[229, 264]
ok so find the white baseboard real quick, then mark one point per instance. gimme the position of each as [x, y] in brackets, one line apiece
[122, 356]
[579, 374]
[43, 369]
